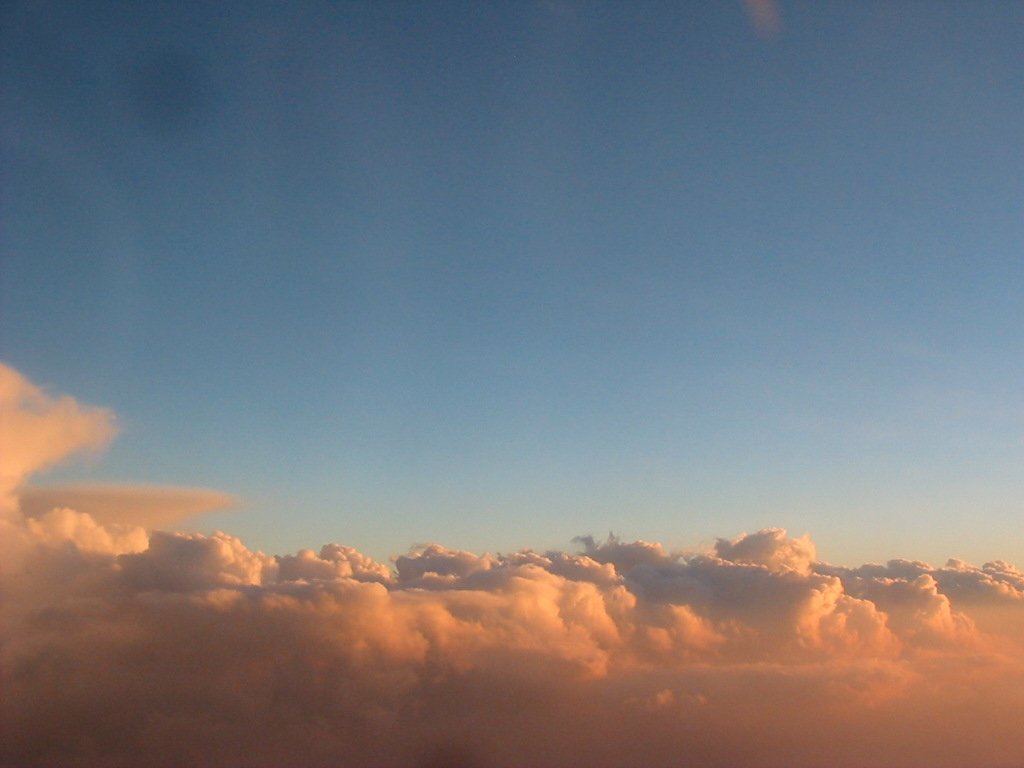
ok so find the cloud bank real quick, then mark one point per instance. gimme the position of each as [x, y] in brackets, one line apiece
[126, 647]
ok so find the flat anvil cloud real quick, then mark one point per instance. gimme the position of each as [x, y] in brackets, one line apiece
[123, 647]
[146, 506]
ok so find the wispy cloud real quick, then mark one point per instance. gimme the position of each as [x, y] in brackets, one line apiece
[122, 646]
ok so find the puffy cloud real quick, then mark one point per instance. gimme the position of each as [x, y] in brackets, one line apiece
[335, 561]
[946, 604]
[770, 548]
[196, 650]
[624, 556]
[434, 565]
[80, 530]
[995, 582]
[125, 647]
[182, 562]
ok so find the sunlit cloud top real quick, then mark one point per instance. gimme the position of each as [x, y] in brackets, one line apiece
[38, 430]
[194, 649]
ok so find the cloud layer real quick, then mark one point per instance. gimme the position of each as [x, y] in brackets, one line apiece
[146, 506]
[123, 647]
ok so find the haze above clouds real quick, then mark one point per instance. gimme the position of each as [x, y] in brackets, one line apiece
[127, 646]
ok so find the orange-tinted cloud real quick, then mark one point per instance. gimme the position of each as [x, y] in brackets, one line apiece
[124, 647]
[195, 650]
[38, 430]
[134, 505]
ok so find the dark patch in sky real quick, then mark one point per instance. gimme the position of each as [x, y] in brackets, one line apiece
[166, 91]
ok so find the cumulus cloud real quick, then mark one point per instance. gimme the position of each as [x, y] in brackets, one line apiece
[123, 647]
[770, 548]
[81, 531]
[38, 430]
[196, 650]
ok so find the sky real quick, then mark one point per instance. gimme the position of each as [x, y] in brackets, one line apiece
[504, 274]
[511, 384]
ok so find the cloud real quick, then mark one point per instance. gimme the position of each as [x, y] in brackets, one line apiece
[134, 505]
[38, 430]
[196, 650]
[122, 646]
[334, 561]
[770, 548]
[81, 531]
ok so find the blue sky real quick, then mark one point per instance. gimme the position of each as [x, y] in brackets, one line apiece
[502, 274]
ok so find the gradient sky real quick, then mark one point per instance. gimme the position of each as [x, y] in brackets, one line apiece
[504, 274]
